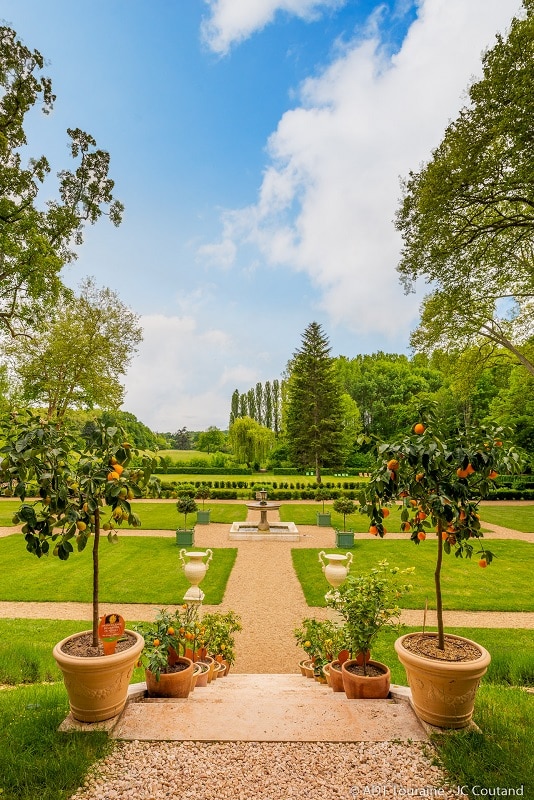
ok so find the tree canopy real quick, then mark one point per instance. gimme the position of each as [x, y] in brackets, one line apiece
[37, 233]
[79, 355]
[467, 217]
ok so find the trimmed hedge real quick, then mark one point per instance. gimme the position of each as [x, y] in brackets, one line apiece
[179, 470]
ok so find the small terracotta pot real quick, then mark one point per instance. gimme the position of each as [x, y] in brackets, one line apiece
[336, 676]
[171, 684]
[326, 673]
[366, 687]
[202, 676]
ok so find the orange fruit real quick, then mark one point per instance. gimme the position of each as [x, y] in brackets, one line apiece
[420, 515]
[470, 469]
[419, 428]
[81, 525]
[118, 469]
[492, 475]
[419, 477]
[113, 476]
[156, 643]
[444, 535]
[393, 464]
[463, 515]
[385, 512]
[373, 530]
[483, 563]
[421, 536]
[171, 631]
[413, 502]
[406, 526]
[462, 473]
[498, 443]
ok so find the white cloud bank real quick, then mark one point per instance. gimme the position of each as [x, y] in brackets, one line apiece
[331, 188]
[183, 375]
[232, 21]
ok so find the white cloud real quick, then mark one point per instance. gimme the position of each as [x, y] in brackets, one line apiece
[174, 380]
[232, 21]
[331, 189]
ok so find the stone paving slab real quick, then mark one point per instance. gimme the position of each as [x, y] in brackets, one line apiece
[270, 708]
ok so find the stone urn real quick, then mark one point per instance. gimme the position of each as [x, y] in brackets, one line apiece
[335, 567]
[195, 569]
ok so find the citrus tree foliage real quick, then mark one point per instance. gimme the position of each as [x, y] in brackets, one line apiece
[314, 415]
[249, 441]
[37, 233]
[80, 354]
[467, 217]
[440, 480]
[80, 491]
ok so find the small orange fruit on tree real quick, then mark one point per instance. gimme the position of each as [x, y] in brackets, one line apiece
[419, 428]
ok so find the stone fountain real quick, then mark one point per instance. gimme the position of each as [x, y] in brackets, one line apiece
[278, 531]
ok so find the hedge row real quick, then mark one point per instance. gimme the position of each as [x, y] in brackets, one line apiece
[272, 486]
[179, 470]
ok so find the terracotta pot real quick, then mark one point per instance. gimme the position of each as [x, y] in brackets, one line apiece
[443, 692]
[219, 670]
[336, 677]
[171, 684]
[211, 664]
[326, 673]
[202, 676]
[98, 687]
[366, 687]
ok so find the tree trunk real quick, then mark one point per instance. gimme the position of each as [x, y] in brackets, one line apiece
[96, 617]
[437, 582]
[317, 469]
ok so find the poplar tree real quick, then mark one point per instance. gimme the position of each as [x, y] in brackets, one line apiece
[314, 420]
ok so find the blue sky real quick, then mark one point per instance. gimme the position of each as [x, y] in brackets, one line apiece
[257, 146]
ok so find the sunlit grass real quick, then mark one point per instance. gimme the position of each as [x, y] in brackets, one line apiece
[504, 586]
[135, 570]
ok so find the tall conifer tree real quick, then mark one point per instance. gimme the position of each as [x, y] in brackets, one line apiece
[315, 414]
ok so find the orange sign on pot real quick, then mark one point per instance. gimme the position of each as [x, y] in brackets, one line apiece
[110, 629]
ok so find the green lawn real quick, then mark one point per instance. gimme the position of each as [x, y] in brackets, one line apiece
[135, 570]
[306, 514]
[504, 586]
[518, 517]
[155, 515]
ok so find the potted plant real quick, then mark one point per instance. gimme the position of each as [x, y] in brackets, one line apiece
[368, 602]
[81, 492]
[440, 481]
[203, 515]
[344, 505]
[321, 640]
[168, 671]
[186, 505]
[219, 636]
[323, 517]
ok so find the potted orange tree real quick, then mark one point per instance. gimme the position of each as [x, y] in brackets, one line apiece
[346, 506]
[82, 492]
[440, 481]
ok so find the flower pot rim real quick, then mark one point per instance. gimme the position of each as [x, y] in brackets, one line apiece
[378, 664]
[97, 662]
[437, 666]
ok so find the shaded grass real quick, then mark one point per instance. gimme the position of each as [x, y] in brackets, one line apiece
[306, 514]
[36, 761]
[135, 570]
[505, 586]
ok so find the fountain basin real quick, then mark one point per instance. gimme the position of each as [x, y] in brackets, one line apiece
[278, 531]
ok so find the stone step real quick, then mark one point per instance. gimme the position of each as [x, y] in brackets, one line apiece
[268, 708]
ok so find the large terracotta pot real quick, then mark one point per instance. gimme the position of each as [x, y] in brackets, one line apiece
[366, 687]
[171, 684]
[98, 687]
[443, 692]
